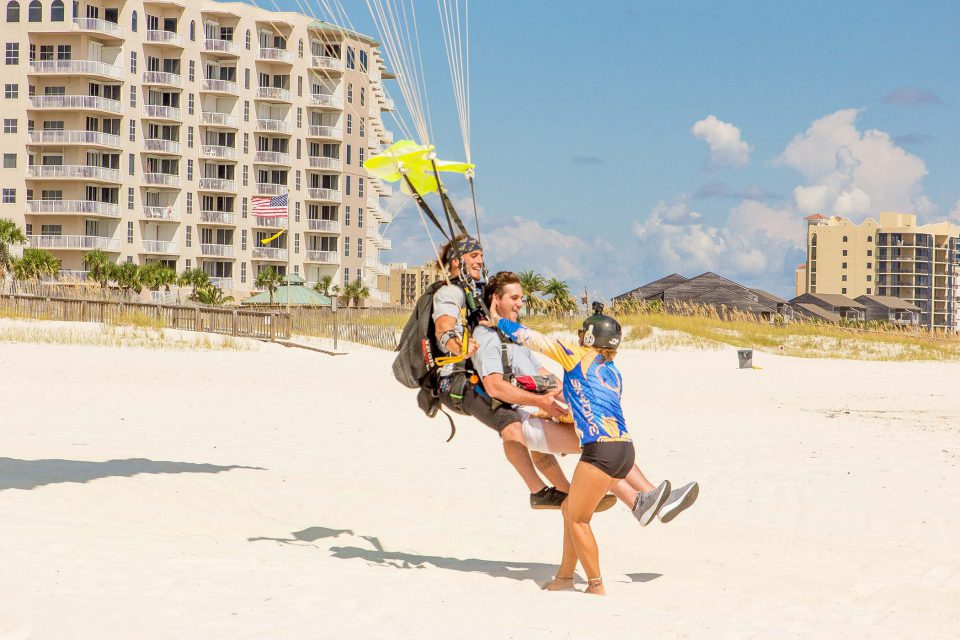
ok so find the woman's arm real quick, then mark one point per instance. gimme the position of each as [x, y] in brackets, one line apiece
[568, 356]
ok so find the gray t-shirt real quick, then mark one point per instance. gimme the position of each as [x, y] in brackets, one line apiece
[488, 360]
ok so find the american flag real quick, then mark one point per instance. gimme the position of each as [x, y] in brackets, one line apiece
[266, 207]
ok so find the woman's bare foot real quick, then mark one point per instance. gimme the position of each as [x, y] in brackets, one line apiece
[595, 586]
[559, 584]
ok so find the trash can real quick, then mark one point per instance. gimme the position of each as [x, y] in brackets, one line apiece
[745, 356]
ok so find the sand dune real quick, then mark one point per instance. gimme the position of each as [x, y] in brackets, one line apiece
[286, 494]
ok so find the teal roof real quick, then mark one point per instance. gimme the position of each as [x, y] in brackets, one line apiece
[299, 295]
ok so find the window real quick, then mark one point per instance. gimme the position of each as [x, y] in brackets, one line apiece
[11, 91]
[363, 60]
[361, 155]
[359, 252]
[869, 252]
[133, 58]
[363, 127]
[297, 210]
[299, 119]
[35, 11]
[189, 169]
[869, 278]
[189, 137]
[348, 186]
[869, 238]
[298, 178]
[9, 161]
[844, 252]
[246, 78]
[9, 196]
[246, 143]
[346, 272]
[299, 148]
[363, 96]
[13, 53]
[188, 264]
[349, 153]
[300, 85]
[296, 243]
[350, 92]
[843, 291]
[300, 47]
[869, 265]
[243, 240]
[246, 111]
[243, 208]
[189, 236]
[843, 278]
[190, 103]
[9, 125]
[844, 238]
[243, 272]
[130, 233]
[360, 187]
[193, 31]
[346, 216]
[56, 11]
[189, 203]
[346, 254]
[133, 96]
[349, 123]
[351, 58]
[133, 22]
[191, 70]
[869, 290]
[13, 11]
[133, 130]
[131, 163]
[247, 41]
[360, 217]
[246, 174]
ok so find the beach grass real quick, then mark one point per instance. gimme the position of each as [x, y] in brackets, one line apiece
[105, 335]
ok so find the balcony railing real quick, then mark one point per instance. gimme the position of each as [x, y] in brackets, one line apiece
[218, 184]
[100, 26]
[66, 136]
[161, 112]
[160, 213]
[271, 223]
[323, 131]
[323, 226]
[88, 207]
[221, 46]
[212, 85]
[162, 77]
[91, 103]
[161, 146]
[218, 250]
[322, 162]
[323, 257]
[216, 118]
[386, 217]
[267, 53]
[269, 253]
[76, 67]
[224, 283]
[388, 104]
[326, 62]
[330, 195]
[65, 171]
[267, 124]
[270, 189]
[273, 93]
[161, 179]
[384, 243]
[217, 217]
[387, 137]
[159, 246]
[271, 157]
[165, 37]
[74, 274]
[326, 100]
[74, 242]
[218, 151]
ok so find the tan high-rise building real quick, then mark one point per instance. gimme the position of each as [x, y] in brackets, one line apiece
[894, 257]
[146, 129]
[407, 284]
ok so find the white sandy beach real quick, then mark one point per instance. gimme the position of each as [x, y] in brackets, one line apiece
[282, 493]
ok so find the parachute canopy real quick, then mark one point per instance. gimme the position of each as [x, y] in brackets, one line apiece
[406, 157]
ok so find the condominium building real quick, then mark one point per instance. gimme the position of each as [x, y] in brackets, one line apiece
[895, 257]
[407, 284]
[153, 130]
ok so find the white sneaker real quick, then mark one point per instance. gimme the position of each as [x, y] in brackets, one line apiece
[678, 500]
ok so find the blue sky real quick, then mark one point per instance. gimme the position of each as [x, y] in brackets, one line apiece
[584, 121]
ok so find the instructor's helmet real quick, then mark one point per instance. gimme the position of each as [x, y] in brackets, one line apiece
[600, 331]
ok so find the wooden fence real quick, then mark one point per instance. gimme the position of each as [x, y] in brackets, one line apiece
[378, 328]
[233, 322]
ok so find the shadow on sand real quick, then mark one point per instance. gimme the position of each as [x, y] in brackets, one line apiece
[29, 474]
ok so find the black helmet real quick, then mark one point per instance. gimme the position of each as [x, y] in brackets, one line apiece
[600, 331]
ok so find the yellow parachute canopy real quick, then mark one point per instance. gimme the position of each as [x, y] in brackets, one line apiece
[406, 156]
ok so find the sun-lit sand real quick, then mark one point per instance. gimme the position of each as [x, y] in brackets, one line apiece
[283, 493]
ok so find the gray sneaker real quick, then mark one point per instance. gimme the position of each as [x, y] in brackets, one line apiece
[647, 504]
[678, 500]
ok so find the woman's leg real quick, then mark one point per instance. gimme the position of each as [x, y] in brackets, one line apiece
[635, 483]
[568, 564]
[588, 486]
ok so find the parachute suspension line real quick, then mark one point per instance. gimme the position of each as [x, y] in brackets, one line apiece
[450, 23]
[420, 67]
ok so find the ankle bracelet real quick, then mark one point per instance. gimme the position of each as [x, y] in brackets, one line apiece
[594, 582]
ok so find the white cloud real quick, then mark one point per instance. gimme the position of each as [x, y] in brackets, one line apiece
[523, 244]
[853, 173]
[723, 139]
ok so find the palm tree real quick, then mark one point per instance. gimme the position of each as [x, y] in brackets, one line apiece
[10, 234]
[35, 264]
[195, 278]
[355, 292]
[531, 283]
[154, 275]
[323, 285]
[269, 279]
[128, 277]
[212, 295]
[560, 294]
[99, 266]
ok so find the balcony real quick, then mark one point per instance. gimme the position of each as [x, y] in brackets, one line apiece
[322, 257]
[167, 213]
[85, 207]
[273, 94]
[69, 172]
[228, 87]
[274, 55]
[271, 157]
[384, 243]
[162, 78]
[322, 162]
[323, 226]
[326, 63]
[85, 103]
[76, 68]
[327, 195]
[100, 26]
[164, 247]
[386, 217]
[217, 217]
[323, 131]
[158, 145]
[224, 283]
[271, 223]
[279, 126]
[326, 100]
[162, 179]
[65, 137]
[388, 104]
[75, 242]
[271, 189]
[218, 250]
[387, 137]
[221, 46]
[217, 151]
[161, 112]
[217, 119]
[269, 253]
[168, 38]
[218, 184]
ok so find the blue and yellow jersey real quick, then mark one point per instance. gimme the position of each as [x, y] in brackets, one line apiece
[591, 385]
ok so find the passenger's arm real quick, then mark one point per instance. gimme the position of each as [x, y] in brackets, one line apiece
[568, 356]
[453, 345]
[496, 387]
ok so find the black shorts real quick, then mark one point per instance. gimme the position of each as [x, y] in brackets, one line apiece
[613, 458]
[481, 408]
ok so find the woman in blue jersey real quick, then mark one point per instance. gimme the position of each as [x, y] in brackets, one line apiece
[592, 385]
